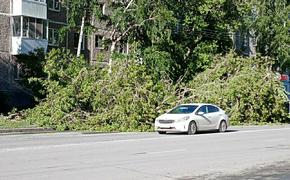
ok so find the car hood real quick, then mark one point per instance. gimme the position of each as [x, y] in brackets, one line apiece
[172, 116]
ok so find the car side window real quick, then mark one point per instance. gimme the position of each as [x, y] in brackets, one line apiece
[203, 109]
[212, 109]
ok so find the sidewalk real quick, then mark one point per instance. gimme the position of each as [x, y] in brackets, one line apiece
[25, 131]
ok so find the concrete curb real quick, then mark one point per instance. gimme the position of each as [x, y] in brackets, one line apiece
[25, 131]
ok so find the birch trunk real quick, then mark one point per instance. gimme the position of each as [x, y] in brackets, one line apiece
[112, 49]
[81, 37]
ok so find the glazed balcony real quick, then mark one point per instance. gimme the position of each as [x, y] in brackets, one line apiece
[31, 8]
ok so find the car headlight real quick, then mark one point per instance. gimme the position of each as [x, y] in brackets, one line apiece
[183, 119]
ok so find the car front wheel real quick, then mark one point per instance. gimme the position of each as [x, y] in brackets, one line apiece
[223, 126]
[192, 128]
[161, 132]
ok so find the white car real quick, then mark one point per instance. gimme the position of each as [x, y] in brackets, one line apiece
[191, 118]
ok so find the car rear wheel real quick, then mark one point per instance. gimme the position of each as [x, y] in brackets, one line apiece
[161, 132]
[223, 126]
[192, 128]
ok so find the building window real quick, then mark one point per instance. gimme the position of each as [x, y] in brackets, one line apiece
[17, 26]
[99, 42]
[44, 27]
[31, 27]
[25, 29]
[54, 5]
[39, 29]
[53, 37]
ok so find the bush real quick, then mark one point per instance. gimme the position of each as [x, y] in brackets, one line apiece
[246, 88]
[88, 98]
[82, 97]
[32, 67]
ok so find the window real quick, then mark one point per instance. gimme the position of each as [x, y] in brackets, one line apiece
[54, 5]
[98, 41]
[212, 109]
[53, 37]
[203, 109]
[44, 27]
[34, 28]
[39, 29]
[183, 109]
[17, 26]
[31, 27]
[25, 29]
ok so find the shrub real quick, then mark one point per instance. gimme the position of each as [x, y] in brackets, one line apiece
[246, 88]
[81, 97]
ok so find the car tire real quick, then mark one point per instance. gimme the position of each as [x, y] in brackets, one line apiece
[192, 128]
[223, 126]
[162, 132]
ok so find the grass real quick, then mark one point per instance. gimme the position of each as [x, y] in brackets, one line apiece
[11, 124]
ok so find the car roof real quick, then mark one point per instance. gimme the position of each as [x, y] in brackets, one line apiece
[198, 104]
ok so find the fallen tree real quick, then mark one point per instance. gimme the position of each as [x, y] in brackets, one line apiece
[246, 88]
[82, 97]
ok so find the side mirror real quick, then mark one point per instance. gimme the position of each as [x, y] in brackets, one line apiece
[200, 113]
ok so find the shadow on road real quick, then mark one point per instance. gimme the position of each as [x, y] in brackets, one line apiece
[202, 132]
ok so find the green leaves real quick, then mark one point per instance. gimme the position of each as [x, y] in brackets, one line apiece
[81, 97]
[270, 22]
[246, 88]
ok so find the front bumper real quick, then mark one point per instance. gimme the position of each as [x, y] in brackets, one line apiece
[172, 127]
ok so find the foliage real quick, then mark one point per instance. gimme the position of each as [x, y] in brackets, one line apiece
[32, 67]
[169, 41]
[4, 107]
[269, 20]
[201, 30]
[88, 98]
[246, 88]
[82, 97]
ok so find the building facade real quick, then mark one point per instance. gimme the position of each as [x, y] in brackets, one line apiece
[25, 25]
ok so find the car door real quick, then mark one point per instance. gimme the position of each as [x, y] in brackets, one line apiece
[213, 116]
[203, 121]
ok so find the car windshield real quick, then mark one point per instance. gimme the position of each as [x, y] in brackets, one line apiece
[183, 109]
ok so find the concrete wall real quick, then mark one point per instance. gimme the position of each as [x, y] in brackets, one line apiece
[5, 6]
[4, 33]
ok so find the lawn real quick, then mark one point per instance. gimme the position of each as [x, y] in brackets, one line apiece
[7, 124]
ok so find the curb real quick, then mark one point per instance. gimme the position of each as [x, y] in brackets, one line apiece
[25, 131]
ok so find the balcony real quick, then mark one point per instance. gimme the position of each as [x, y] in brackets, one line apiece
[22, 45]
[28, 34]
[31, 8]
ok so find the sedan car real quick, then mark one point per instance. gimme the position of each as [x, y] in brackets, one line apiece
[191, 118]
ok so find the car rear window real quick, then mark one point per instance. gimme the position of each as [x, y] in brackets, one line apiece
[183, 109]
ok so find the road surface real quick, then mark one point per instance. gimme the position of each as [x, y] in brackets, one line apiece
[241, 153]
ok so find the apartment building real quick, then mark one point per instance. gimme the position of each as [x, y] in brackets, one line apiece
[26, 25]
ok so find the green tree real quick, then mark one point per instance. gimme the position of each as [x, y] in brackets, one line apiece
[83, 11]
[270, 21]
[201, 30]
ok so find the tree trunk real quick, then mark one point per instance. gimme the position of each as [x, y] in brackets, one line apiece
[112, 49]
[81, 36]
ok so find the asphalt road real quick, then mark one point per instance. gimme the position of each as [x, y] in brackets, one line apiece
[241, 153]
